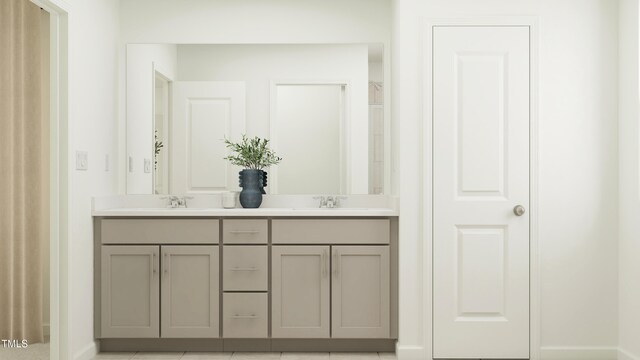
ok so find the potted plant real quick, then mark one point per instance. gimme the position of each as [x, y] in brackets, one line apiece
[254, 155]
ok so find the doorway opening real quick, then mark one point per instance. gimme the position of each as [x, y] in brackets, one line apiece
[161, 130]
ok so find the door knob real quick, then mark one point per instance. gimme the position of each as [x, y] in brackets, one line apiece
[518, 210]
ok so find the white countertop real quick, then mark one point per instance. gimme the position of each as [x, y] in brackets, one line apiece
[272, 206]
[239, 212]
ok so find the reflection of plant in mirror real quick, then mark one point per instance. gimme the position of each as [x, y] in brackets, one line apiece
[252, 153]
[158, 146]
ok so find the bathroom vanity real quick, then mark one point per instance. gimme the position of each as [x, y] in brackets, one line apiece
[246, 280]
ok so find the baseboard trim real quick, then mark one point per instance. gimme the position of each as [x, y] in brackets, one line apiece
[410, 352]
[625, 355]
[578, 353]
[88, 352]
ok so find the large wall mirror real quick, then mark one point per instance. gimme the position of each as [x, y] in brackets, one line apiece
[321, 106]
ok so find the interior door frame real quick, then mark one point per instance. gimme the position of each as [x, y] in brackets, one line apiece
[166, 138]
[427, 169]
[60, 138]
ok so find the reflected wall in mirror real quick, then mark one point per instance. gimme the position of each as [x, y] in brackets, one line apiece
[322, 106]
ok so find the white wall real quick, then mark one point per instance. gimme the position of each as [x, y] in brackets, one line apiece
[142, 60]
[258, 65]
[254, 21]
[578, 133]
[629, 191]
[93, 105]
[578, 178]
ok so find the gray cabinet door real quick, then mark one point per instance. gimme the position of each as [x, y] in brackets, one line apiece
[190, 291]
[360, 292]
[300, 292]
[130, 292]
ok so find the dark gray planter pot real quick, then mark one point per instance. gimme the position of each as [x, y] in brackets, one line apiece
[264, 181]
[251, 182]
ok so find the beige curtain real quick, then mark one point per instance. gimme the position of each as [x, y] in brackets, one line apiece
[24, 178]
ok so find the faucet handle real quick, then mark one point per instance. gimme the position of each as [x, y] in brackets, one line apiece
[182, 201]
[332, 201]
[323, 201]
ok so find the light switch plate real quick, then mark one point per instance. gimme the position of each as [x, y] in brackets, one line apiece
[82, 160]
[147, 166]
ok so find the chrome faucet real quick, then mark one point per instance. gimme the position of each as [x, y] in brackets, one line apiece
[330, 201]
[334, 201]
[323, 201]
[176, 202]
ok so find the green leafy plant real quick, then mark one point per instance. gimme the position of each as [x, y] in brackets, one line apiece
[251, 153]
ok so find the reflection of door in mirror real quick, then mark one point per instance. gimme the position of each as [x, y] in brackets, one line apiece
[308, 135]
[161, 139]
[204, 113]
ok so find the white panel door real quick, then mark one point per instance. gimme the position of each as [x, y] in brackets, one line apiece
[204, 113]
[481, 172]
[309, 116]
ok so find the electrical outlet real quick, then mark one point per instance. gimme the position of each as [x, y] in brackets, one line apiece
[82, 160]
[147, 166]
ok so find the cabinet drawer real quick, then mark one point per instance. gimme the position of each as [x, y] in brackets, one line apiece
[320, 231]
[160, 231]
[245, 315]
[245, 268]
[245, 231]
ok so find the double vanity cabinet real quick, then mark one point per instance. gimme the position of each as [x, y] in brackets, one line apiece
[243, 284]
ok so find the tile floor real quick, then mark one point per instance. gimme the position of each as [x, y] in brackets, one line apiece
[32, 352]
[244, 356]
[38, 351]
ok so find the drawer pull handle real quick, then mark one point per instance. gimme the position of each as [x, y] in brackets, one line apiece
[240, 232]
[244, 316]
[244, 269]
